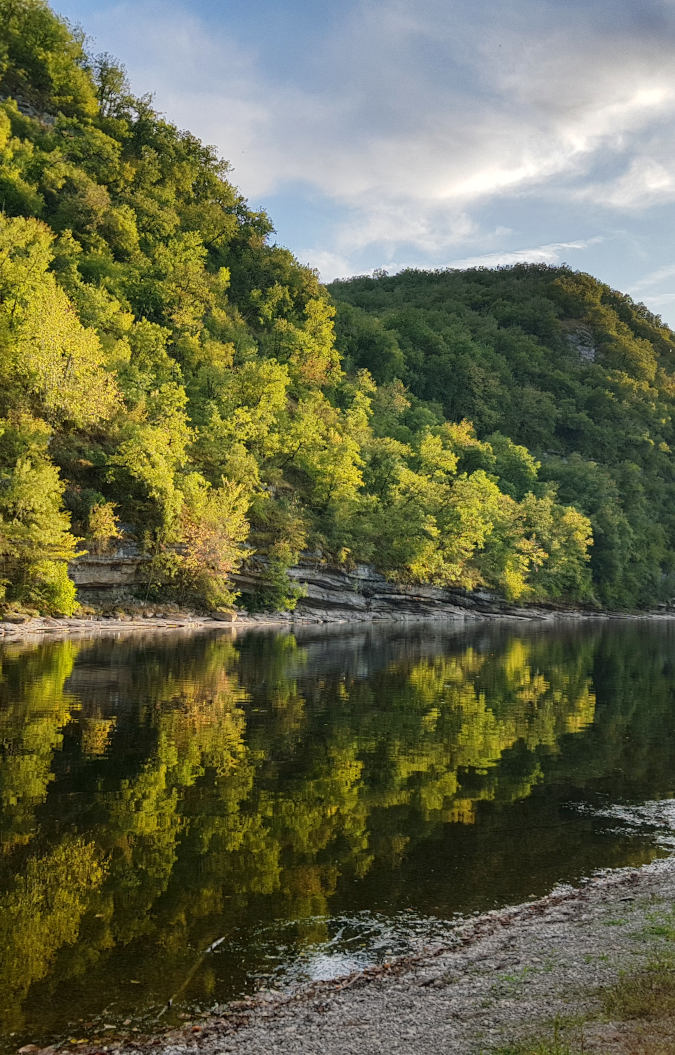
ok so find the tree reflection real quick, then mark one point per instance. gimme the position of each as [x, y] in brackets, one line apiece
[155, 797]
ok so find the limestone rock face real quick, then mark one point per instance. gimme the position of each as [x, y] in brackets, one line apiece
[329, 594]
[109, 577]
[362, 593]
[580, 340]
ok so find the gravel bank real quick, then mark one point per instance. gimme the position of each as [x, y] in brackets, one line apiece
[507, 974]
[41, 628]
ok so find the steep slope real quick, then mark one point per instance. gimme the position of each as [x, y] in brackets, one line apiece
[167, 372]
[557, 361]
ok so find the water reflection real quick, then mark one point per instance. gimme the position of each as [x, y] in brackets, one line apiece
[181, 818]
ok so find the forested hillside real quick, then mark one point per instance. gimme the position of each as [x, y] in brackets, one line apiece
[169, 374]
[558, 362]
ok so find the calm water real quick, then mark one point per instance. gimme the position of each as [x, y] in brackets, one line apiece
[186, 819]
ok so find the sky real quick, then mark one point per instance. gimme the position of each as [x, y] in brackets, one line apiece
[428, 133]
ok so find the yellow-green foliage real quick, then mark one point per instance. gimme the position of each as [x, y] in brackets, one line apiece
[102, 529]
[181, 361]
[500, 348]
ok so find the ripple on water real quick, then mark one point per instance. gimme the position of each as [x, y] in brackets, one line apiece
[654, 820]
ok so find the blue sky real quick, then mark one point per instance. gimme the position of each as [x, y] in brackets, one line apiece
[433, 133]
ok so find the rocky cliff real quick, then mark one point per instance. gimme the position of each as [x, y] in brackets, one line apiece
[108, 578]
[329, 594]
[363, 594]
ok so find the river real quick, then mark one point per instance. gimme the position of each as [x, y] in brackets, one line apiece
[185, 820]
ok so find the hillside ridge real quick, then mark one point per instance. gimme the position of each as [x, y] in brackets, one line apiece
[171, 376]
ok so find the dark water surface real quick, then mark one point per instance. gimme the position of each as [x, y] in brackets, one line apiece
[186, 819]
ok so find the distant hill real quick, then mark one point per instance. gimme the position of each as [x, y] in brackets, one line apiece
[557, 361]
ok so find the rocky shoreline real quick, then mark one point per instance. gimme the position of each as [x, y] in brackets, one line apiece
[507, 976]
[19, 627]
[327, 594]
[108, 586]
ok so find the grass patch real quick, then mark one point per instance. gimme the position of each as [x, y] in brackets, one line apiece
[538, 1048]
[661, 926]
[648, 993]
[556, 1044]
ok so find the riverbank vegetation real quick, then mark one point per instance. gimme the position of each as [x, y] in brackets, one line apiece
[169, 373]
[636, 1015]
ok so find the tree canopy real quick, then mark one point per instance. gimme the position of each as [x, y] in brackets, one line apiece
[569, 382]
[169, 372]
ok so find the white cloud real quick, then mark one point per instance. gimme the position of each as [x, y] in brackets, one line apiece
[646, 182]
[553, 253]
[655, 278]
[664, 298]
[412, 119]
[388, 223]
[391, 114]
[329, 265]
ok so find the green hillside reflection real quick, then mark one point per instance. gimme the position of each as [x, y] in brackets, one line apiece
[162, 795]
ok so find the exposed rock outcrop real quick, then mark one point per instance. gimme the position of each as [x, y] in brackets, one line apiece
[329, 594]
[364, 594]
[581, 341]
[108, 578]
